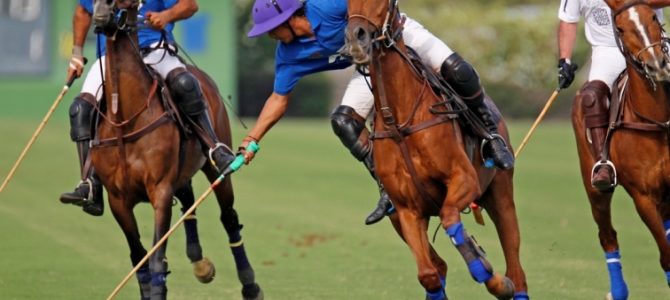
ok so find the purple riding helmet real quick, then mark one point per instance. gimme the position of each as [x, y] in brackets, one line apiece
[269, 14]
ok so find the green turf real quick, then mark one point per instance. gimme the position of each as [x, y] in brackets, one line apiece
[302, 201]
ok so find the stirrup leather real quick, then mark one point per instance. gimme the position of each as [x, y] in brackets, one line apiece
[217, 146]
[605, 163]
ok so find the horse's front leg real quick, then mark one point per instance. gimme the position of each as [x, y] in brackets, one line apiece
[499, 204]
[161, 200]
[203, 268]
[245, 272]
[122, 209]
[413, 230]
[646, 206]
[463, 189]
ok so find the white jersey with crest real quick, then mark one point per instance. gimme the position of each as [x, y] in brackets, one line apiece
[597, 19]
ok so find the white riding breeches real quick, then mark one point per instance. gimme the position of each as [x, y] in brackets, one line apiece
[432, 51]
[606, 64]
[159, 60]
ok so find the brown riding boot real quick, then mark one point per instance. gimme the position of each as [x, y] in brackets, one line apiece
[595, 97]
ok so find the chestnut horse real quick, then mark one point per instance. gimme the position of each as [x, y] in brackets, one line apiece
[639, 129]
[141, 154]
[422, 160]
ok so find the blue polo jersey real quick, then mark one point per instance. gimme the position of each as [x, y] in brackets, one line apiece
[305, 56]
[146, 35]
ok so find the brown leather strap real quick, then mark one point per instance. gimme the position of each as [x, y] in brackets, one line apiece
[133, 136]
[405, 131]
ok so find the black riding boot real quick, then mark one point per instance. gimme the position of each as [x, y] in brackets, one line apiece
[88, 193]
[465, 81]
[220, 155]
[188, 95]
[384, 205]
[350, 128]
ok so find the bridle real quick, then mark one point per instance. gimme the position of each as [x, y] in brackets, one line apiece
[635, 59]
[385, 35]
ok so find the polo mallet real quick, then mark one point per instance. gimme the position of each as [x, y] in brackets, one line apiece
[46, 118]
[541, 116]
[234, 166]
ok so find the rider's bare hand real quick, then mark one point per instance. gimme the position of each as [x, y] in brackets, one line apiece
[157, 20]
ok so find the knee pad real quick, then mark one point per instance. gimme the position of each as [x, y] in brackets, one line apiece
[462, 77]
[186, 91]
[82, 113]
[594, 97]
[350, 128]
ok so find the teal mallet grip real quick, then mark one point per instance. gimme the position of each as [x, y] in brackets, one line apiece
[239, 160]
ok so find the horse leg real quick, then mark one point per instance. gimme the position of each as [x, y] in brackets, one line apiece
[123, 213]
[646, 206]
[437, 261]
[225, 197]
[462, 191]
[499, 204]
[413, 230]
[664, 210]
[203, 268]
[161, 200]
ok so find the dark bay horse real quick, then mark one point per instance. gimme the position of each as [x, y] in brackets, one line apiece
[422, 158]
[639, 131]
[141, 154]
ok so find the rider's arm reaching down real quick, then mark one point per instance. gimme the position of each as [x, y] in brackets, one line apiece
[567, 35]
[81, 21]
[273, 110]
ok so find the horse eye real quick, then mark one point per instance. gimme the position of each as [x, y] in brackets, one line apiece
[655, 18]
[618, 29]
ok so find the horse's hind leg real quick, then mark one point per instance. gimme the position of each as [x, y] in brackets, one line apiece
[123, 213]
[203, 268]
[230, 220]
[499, 204]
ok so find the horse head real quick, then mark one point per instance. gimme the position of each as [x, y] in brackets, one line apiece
[641, 38]
[112, 15]
[372, 23]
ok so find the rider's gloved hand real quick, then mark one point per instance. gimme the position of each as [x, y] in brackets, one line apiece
[566, 73]
[248, 155]
[77, 61]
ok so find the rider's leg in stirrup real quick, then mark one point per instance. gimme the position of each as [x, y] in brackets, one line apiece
[350, 128]
[88, 192]
[465, 81]
[188, 95]
[595, 97]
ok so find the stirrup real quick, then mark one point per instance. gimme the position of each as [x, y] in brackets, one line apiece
[601, 163]
[488, 161]
[217, 146]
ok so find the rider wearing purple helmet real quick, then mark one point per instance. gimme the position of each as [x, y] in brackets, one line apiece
[310, 33]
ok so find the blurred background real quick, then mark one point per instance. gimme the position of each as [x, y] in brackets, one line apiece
[304, 198]
[511, 43]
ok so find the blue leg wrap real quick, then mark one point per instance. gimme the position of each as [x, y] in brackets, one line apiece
[478, 271]
[444, 282]
[667, 277]
[240, 255]
[158, 279]
[475, 264]
[618, 286]
[143, 275]
[439, 295]
[191, 227]
[666, 225]
[455, 232]
[521, 296]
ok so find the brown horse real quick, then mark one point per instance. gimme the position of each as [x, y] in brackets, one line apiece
[639, 129]
[422, 158]
[141, 154]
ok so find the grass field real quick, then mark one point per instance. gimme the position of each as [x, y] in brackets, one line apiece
[302, 201]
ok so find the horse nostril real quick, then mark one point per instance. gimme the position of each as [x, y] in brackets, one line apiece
[361, 34]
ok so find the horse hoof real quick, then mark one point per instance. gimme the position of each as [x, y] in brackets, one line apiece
[501, 287]
[204, 270]
[252, 292]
